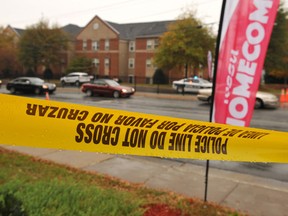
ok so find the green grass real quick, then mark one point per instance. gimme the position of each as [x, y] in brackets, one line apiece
[58, 197]
[29, 186]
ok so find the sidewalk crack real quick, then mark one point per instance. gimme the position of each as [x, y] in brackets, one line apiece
[228, 194]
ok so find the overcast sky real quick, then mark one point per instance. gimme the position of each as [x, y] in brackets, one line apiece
[21, 14]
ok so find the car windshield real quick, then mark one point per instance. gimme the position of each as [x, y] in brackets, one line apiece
[195, 80]
[32, 80]
[112, 83]
[36, 81]
[204, 81]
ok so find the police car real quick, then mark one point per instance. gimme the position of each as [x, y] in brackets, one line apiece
[192, 84]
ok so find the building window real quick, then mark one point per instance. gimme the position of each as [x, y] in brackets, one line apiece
[106, 66]
[148, 63]
[156, 43]
[149, 44]
[152, 44]
[84, 45]
[95, 62]
[132, 46]
[107, 44]
[95, 45]
[107, 62]
[131, 63]
[95, 26]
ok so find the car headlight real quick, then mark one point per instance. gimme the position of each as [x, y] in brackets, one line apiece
[45, 86]
[124, 90]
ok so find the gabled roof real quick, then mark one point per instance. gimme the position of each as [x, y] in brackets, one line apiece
[102, 21]
[19, 32]
[72, 29]
[131, 31]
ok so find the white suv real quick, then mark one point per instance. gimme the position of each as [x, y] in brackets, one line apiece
[75, 78]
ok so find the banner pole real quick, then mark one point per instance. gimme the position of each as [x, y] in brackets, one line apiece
[213, 87]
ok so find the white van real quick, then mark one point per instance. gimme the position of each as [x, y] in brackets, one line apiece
[75, 78]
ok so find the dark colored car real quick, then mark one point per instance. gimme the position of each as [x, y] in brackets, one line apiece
[107, 87]
[30, 85]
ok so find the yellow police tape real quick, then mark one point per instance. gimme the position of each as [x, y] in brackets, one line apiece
[50, 124]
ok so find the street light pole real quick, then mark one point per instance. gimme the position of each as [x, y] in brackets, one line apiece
[186, 70]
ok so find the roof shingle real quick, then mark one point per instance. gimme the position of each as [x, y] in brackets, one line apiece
[131, 31]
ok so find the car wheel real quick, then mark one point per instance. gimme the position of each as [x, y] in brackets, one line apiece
[37, 91]
[77, 83]
[12, 90]
[116, 94]
[210, 100]
[258, 103]
[89, 93]
[63, 83]
[180, 89]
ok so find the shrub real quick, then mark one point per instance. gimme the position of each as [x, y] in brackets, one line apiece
[10, 205]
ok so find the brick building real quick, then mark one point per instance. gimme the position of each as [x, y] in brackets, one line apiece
[123, 51]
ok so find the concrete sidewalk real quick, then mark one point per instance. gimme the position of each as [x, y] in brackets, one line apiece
[246, 193]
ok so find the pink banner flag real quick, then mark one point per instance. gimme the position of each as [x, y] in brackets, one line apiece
[245, 35]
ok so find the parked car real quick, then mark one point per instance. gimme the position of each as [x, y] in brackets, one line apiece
[192, 84]
[75, 78]
[30, 85]
[107, 87]
[263, 99]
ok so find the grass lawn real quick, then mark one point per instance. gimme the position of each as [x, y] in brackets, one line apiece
[29, 186]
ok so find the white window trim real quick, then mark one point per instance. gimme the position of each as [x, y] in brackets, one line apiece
[84, 45]
[107, 44]
[131, 46]
[148, 63]
[149, 44]
[107, 62]
[96, 62]
[131, 63]
[152, 44]
[95, 45]
[156, 43]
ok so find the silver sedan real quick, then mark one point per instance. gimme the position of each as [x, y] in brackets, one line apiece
[263, 99]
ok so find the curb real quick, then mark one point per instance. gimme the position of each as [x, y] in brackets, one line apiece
[140, 93]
